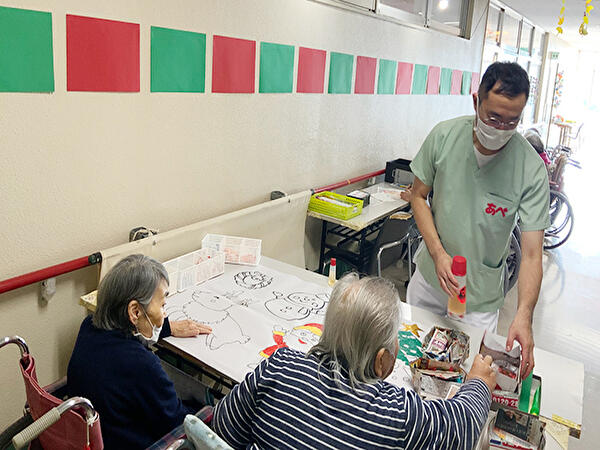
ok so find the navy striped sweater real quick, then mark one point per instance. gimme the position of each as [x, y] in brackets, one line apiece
[290, 402]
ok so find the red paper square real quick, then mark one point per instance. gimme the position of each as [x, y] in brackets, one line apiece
[233, 65]
[365, 75]
[474, 82]
[456, 82]
[433, 80]
[102, 55]
[404, 78]
[311, 70]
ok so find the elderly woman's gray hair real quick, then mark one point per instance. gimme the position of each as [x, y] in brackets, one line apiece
[135, 277]
[363, 316]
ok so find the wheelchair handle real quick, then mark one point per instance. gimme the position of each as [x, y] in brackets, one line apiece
[23, 438]
[16, 340]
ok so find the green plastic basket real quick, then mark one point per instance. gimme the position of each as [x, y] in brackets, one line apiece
[353, 209]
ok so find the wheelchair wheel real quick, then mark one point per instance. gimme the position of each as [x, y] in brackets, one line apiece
[513, 261]
[561, 221]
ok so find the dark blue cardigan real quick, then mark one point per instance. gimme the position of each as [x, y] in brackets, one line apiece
[126, 384]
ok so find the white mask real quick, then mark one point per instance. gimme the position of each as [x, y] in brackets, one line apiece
[491, 138]
[155, 333]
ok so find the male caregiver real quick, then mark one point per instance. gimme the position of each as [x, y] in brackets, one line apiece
[485, 176]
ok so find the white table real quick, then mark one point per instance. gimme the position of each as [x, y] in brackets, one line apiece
[562, 378]
[363, 224]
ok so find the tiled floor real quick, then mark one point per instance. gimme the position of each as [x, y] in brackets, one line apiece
[567, 317]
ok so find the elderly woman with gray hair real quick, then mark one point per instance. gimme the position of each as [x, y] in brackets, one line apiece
[112, 365]
[336, 397]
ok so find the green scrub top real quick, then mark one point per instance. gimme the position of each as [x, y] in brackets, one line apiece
[475, 210]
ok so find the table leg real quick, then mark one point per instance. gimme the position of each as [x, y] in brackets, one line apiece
[364, 264]
[322, 250]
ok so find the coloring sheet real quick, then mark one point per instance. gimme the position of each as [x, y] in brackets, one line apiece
[253, 311]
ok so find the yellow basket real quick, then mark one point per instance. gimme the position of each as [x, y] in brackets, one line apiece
[353, 209]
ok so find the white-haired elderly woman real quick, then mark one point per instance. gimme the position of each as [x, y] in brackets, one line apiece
[112, 365]
[336, 397]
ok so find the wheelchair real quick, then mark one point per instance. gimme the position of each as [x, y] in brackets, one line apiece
[48, 422]
[53, 422]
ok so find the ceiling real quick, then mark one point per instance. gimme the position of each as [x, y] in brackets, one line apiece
[544, 13]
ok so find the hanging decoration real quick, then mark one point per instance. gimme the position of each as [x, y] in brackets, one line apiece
[561, 18]
[583, 27]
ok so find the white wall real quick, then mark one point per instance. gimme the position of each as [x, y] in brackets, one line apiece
[78, 169]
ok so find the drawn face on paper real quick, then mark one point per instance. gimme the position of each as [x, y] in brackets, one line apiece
[306, 337]
[284, 309]
[211, 301]
[252, 279]
[312, 301]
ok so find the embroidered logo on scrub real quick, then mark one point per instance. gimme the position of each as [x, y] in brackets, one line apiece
[492, 209]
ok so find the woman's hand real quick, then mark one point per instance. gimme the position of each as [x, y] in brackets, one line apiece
[188, 328]
[482, 369]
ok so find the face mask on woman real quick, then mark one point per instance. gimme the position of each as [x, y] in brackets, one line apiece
[155, 332]
[491, 138]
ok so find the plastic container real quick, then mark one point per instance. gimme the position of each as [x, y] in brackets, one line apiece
[332, 277]
[338, 206]
[238, 250]
[457, 303]
[194, 268]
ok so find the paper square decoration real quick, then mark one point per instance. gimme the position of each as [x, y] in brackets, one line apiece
[445, 81]
[177, 60]
[276, 68]
[474, 82]
[466, 83]
[433, 80]
[386, 83]
[456, 82]
[311, 70]
[233, 65]
[365, 75]
[102, 55]
[419, 84]
[404, 78]
[26, 58]
[340, 73]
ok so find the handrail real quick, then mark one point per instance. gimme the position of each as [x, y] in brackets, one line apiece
[49, 272]
[339, 184]
[96, 258]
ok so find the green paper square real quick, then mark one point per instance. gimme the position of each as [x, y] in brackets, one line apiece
[445, 81]
[386, 82]
[466, 83]
[276, 68]
[340, 73]
[26, 58]
[419, 85]
[177, 60]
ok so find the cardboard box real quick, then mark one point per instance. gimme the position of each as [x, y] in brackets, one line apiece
[459, 345]
[507, 367]
[441, 378]
[516, 429]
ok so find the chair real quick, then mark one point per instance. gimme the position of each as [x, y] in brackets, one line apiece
[72, 424]
[398, 238]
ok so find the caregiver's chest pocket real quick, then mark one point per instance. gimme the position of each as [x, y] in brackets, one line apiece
[496, 219]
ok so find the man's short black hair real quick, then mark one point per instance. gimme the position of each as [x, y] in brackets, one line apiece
[513, 79]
